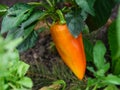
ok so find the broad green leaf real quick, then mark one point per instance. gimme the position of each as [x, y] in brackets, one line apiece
[88, 49]
[111, 87]
[26, 82]
[28, 35]
[86, 5]
[34, 17]
[114, 42]
[75, 23]
[25, 30]
[102, 10]
[112, 79]
[15, 16]
[20, 32]
[29, 42]
[99, 51]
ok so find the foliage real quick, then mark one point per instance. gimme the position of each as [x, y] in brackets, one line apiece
[12, 69]
[20, 20]
[100, 72]
[25, 16]
[114, 42]
[102, 9]
[3, 9]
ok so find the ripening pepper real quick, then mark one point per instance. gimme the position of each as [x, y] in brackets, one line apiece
[70, 49]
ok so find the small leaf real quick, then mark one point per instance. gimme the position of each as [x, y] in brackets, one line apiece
[112, 79]
[75, 23]
[100, 73]
[91, 82]
[91, 69]
[60, 82]
[26, 82]
[99, 51]
[22, 69]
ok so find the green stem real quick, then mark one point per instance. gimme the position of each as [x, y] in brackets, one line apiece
[48, 1]
[87, 88]
[62, 19]
[95, 87]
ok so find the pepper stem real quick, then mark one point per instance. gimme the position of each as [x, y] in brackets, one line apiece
[60, 14]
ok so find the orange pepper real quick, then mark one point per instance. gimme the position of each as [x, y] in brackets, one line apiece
[71, 49]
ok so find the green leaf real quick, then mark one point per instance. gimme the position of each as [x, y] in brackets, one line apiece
[86, 5]
[29, 42]
[111, 87]
[99, 51]
[28, 35]
[116, 66]
[60, 82]
[25, 30]
[91, 69]
[12, 45]
[12, 70]
[3, 9]
[88, 49]
[102, 10]
[26, 82]
[114, 42]
[15, 16]
[112, 79]
[91, 82]
[75, 23]
[22, 68]
[34, 17]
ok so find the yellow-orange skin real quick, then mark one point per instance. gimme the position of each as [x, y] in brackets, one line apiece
[70, 49]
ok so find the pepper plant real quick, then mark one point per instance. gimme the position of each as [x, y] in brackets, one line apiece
[66, 20]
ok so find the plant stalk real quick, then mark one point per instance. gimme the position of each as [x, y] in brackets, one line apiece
[60, 14]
